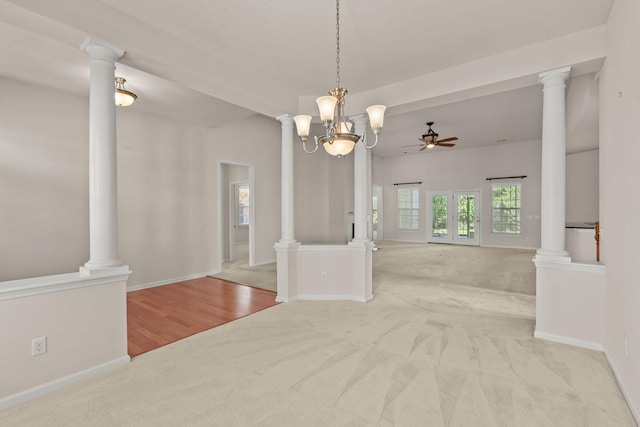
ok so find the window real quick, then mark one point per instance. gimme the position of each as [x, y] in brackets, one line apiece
[243, 204]
[506, 208]
[408, 208]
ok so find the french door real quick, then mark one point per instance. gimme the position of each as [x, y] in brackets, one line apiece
[453, 217]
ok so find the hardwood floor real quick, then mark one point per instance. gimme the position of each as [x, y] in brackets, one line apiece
[165, 314]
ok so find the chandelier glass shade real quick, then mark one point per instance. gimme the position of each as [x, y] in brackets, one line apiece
[338, 139]
[123, 97]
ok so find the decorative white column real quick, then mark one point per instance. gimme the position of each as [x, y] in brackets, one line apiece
[360, 179]
[287, 247]
[286, 180]
[553, 178]
[102, 159]
[369, 197]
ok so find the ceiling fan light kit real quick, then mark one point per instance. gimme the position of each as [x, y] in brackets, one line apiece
[430, 139]
[338, 139]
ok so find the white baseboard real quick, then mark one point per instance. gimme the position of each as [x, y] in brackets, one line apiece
[46, 388]
[630, 404]
[403, 241]
[263, 263]
[526, 248]
[169, 281]
[325, 298]
[570, 341]
[599, 347]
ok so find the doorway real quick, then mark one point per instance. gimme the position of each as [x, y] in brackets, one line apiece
[239, 223]
[235, 212]
[454, 217]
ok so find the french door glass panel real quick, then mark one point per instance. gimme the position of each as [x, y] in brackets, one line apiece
[466, 216]
[439, 217]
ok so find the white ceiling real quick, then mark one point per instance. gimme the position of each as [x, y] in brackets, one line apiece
[211, 61]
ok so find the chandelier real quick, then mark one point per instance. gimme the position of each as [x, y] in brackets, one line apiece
[338, 139]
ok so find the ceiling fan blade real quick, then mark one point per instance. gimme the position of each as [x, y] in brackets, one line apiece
[423, 148]
[413, 145]
[445, 144]
[455, 138]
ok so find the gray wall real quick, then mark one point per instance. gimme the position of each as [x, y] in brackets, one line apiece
[167, 187]
[466, 169]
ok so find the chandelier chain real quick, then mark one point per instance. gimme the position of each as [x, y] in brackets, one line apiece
[337, 43]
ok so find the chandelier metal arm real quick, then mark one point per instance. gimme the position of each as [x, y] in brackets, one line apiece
[304, 146]
[364, 140]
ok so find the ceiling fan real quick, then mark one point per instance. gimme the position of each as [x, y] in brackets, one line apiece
[430, 139]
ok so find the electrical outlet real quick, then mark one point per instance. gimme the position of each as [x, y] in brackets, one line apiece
[626, 346]
[38, 346]
[323, 275]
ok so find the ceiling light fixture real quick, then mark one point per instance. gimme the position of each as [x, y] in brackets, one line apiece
[124, 98]
[338, 139]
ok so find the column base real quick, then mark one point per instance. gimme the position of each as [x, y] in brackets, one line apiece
[286, 245]
[104, 271]
[287, 270]
[361, 243]
[555, 256]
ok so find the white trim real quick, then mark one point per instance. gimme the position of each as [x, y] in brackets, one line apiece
[286, 247]
[264, 263]
[573, 266]
[570, 341]
[51, 386]
[509, 247]
[505, 234]
[323, 247]
[625, 393]
[286, 300]
[325, 298]
[170, 281]
[407, 241]
[349, 247]
[61, 282]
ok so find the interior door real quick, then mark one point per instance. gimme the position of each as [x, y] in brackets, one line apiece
[453, 217]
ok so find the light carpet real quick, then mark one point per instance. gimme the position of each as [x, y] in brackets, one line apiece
[432, 349]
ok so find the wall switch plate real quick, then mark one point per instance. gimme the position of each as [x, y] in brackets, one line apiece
[38, 346]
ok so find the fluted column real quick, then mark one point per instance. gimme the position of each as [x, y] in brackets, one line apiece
[102, 158]
[552, 218]
[286, 180]
[360, 179]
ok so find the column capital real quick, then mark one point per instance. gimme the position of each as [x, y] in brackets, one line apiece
[560, 74]
[285, 119]
[100, 50]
